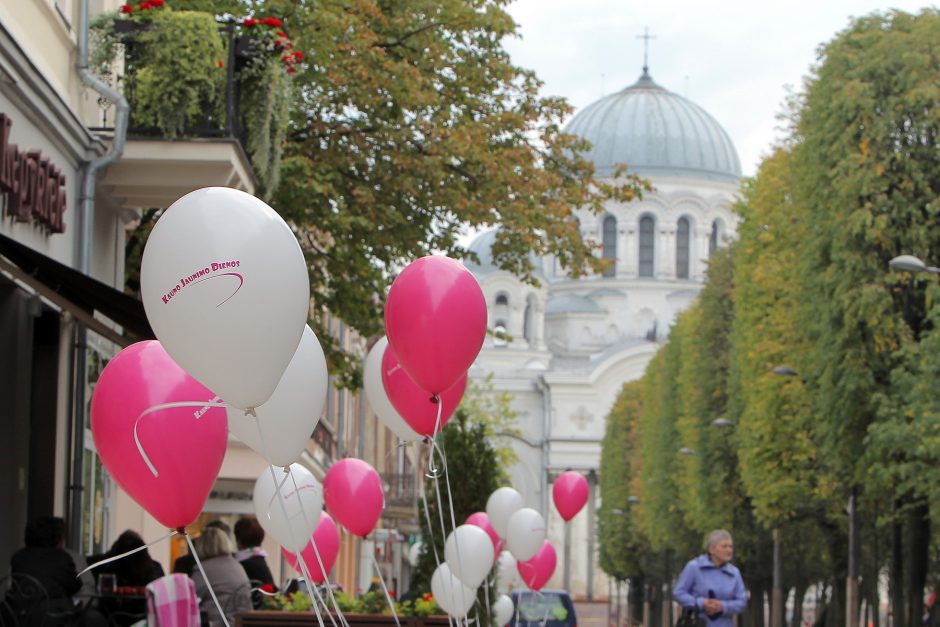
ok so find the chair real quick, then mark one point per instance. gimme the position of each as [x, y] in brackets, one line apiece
[172, 602]
[26, 603]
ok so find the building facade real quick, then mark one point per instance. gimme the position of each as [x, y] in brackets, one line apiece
[75, 176]
[565, 348]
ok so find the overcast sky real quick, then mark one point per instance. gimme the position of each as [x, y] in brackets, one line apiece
[734, 58]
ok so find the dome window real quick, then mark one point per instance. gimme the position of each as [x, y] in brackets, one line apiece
[609, 250]
[647, 245]
[682, 249]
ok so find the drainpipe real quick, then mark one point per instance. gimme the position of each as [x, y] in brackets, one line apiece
[86, 211]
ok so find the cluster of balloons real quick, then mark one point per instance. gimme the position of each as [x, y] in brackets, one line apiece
[435, 320]
[225, 288]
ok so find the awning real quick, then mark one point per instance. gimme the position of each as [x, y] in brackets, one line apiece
[76, 293]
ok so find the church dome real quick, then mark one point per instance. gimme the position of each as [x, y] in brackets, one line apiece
[656, 133]
[482, 245]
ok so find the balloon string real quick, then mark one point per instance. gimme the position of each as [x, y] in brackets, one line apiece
[215, 599]
[433, 470]
[542, 598]
[214, 402]
[486, 596]
[388, 597]
[117, 557]
[311, 590]
[316, 551]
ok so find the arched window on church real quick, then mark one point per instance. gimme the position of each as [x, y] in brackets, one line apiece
[715, 238]
[682, 248]
[528, 322]
[609, 250]
[647, 245]
[502, 299]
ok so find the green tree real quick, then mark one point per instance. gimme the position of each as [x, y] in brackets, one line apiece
[412, 125]
[622, 550]
[869, 176]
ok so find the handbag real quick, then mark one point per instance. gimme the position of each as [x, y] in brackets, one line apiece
[690, 618]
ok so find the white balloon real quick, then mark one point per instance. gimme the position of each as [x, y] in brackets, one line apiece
[469, 554]
[378, 399]
[526, 534]
[503, 609]
[507, 571]
[450, 593]
[225, 287]
[503, 503]
[282, 426]
[293, 524]
[415, 552]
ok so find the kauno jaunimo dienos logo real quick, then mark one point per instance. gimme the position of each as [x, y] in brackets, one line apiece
[213, 271]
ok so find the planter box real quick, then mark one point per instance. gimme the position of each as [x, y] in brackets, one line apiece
[296, 619]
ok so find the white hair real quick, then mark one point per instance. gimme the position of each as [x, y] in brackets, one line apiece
[715, 537]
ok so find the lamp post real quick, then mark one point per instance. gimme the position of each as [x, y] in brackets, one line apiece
[910, 263]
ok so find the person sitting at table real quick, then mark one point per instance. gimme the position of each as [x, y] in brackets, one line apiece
[44, 558]
[131, 571]
[225, 574]
[186, 564]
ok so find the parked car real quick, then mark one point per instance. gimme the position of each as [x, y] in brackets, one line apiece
[548, 608]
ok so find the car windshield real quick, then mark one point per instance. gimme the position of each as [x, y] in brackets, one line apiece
[539, 607]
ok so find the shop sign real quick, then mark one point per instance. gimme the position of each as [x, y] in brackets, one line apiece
[33, 189]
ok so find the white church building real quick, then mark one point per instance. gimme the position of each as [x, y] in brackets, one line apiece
[571, 344]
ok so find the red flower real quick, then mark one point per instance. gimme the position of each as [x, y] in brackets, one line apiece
[272, 22]
[156, 4]
[291, 71]
[144, 6]
[126, 8]
[219, 63]
[427, 597]
[282, 34]
[298, 55]
[249, 22]
[391, 593]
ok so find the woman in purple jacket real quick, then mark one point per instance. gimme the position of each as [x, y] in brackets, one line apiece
[711, 585]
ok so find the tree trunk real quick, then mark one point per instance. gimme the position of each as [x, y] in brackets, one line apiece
[798, 598]
[753, 616]
[897, 575]
[918, 525]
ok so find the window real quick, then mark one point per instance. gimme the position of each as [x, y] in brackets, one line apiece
[502, 299]
[647, 245]
[682, 249]
[609, 250]
[713, 239]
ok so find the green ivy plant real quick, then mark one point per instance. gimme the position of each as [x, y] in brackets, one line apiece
[174, 74]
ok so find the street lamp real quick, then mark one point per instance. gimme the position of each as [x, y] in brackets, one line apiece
[910, 263]
[685, 450]
[633, 499]
[785, 371]
[722, 422]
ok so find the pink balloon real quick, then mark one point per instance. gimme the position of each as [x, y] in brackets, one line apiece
[326, 537]
[352, 491]
[184, 445]
[570, 493]
[481, 520]
[415, 405]
[536, 572]
[435, 319]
